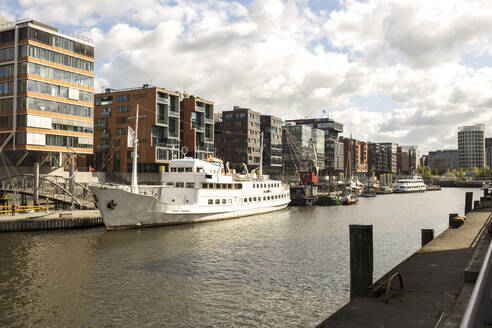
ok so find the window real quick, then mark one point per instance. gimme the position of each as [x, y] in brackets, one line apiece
[121, 98]
[224, 201]
[179, 184]
[190, 185]
[245, 200]
[169, 184]
[210, 202]
[188, 169]
[204, 185]
[123, 109]
[217, 186]
[173, 169]
[122, 131]
[180, 169]
[250, 199]
[229, 186]
[254, 198]
[121, 120]
[238, 186]
[217, 201]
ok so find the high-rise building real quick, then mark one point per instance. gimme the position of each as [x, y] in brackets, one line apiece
[471, 146]
[334, 155]
[382, 158]
[271, 127]
[237, 138]
[197, 127]
[46, 94]
[158, 130]
[488, 152]
[442, 160]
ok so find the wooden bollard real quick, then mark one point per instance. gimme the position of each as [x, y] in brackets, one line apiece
[427, 236]
[468, 201]
[361, 259]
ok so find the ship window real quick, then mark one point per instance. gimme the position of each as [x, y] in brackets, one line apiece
[208, 176]
[217, 201]
[254, 198]
[188, 169]
[229, 186]
[264, 197]
[169, 183]
[179, 184]
[180, 169]
[254, 185]
[268, 198]
[245, 200]
[204, 185]
[250, 199]
[190, 185]
[210, 202]
[238, 186]
[224, 201]
[173, 169]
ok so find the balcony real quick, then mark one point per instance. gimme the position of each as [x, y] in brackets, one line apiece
[210, 140]
[198, 127]
[163, 100]
[105, 135]
[209, 120]
[100, 125]
[173, 112]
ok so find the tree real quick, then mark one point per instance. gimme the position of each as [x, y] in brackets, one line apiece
[486, 171]
[420, 170]
[455, 172]
[461, 174]
[435, 171]
[476, 172]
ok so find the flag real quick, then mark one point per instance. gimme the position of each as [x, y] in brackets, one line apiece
[130, 137]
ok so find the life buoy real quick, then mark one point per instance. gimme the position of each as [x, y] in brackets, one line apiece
[184, 150]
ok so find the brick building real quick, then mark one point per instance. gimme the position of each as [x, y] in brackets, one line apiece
[197, 127]
[355, 157]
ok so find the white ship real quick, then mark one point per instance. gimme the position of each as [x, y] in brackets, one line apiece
[191, 191]
[409, 185]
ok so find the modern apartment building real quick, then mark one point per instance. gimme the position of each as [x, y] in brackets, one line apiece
[334, 156]
[356, 157]
[471, 146]
[382, 158]
[271, 127]
[237, 138]
[443, 160]
[158, 130]
[46, 94]
[197, 127]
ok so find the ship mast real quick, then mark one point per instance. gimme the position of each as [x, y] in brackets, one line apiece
[135, 154]
[261, 154]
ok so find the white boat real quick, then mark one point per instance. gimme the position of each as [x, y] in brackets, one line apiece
[191, 191]
[415, 184]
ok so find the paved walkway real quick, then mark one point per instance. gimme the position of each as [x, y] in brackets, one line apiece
[433, 280]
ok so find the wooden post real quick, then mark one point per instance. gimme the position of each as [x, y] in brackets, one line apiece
[361, 259]
[468, 201]
[427, 236]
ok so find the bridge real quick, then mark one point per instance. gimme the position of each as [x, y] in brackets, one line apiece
[52, 188]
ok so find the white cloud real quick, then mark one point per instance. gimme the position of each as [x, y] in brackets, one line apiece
[283, 58]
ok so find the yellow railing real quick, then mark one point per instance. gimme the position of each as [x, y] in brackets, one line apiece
[19, 208]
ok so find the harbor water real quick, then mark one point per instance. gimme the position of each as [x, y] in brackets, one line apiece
[283, 269]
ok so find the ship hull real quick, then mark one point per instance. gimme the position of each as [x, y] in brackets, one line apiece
[121, 209]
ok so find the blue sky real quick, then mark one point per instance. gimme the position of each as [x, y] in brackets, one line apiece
[404, 71]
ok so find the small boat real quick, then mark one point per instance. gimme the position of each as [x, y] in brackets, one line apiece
[368, 193]
[328, 200]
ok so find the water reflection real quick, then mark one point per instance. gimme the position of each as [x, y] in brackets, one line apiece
[284, 269]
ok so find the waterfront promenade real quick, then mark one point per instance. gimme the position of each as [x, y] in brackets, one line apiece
[434, 286]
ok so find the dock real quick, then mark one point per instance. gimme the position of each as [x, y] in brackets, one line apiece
[76, 219]
[437, 283]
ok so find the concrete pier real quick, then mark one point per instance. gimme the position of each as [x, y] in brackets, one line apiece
[50, 221]
[434, 284]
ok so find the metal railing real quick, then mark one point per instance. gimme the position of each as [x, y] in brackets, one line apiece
[479, 310]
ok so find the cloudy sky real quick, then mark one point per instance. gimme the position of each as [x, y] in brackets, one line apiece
[390, 70]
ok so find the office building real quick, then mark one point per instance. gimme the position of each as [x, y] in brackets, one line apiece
[333, 156]
[271, 127]
[46, 94]
[471, 146]
[442, 160]
[488, 152]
